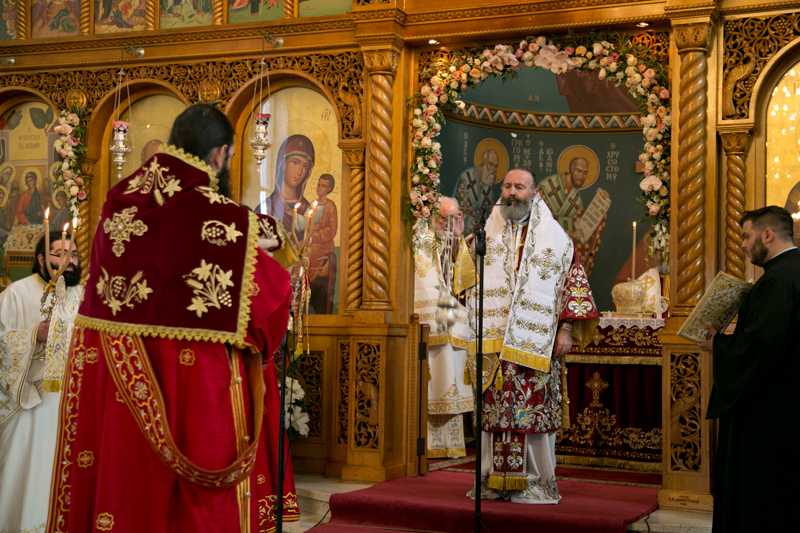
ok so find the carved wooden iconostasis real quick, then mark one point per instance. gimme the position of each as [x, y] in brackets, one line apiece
[338, 92]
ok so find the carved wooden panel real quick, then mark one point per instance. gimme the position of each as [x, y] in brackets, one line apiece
[342, 73]
[749, 43]
[309, 372]
[685, 417]
[656, 42]
[344, 393]
[367, 394]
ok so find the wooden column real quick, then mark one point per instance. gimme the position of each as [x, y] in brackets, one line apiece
[692, 41]
[355, 247]
[735, 145]
[151, 12]
[86, 17]
[382, 65]
[83, 238]
[23, 26]
[290, 8]
[219, 12]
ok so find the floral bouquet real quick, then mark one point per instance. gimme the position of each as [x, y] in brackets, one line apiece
[295, 416]
[72, 128]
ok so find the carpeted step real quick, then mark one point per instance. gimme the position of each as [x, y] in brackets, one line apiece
[437, 502]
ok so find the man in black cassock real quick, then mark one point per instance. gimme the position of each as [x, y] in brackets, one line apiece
[756, 372]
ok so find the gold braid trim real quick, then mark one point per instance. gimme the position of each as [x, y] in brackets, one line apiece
[530, 360]
[489, 346]
[233, 337]
[613, 360]
[638, 466]
[193, 160]
[438, 340]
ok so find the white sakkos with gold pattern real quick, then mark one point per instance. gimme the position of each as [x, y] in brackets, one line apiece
[59, 336]
[530, 296]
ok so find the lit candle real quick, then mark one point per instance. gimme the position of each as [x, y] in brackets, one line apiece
[294, 217]
[47, 244]
[309, 223]
[633, 256]
[46, 216]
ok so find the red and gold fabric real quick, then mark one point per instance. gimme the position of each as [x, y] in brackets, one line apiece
[169, 415]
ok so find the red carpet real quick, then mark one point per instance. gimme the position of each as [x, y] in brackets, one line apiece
[572, 473]
[437, 502]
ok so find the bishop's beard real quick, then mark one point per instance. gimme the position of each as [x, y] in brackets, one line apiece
[71, 277]
[516, 211]
[224, 181]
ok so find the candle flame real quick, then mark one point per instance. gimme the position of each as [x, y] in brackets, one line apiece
[634, 224]
[310, 213]
[297, 206]
[47, 213]
[314, 203]
[66, 226]
[74, 222]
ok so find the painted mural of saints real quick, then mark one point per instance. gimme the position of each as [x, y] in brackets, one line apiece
[579, 169]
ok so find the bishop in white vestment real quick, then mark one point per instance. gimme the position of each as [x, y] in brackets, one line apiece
[32, 352]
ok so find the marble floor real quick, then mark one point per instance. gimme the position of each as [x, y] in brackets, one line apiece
[314, 492]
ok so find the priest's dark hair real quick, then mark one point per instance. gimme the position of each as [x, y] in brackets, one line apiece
[200, 129]
[55, 236]
[773, 217]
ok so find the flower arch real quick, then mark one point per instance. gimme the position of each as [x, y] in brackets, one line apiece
[624, 63]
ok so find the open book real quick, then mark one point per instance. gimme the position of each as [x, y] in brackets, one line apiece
[718, 305]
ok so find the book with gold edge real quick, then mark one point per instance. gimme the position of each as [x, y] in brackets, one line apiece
[718, 305]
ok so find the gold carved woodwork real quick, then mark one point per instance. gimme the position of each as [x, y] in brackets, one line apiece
[289, 7]
[82, 236]
[685, 417]
[218, 12]
[343, 70]
[210, 91]
[75, 98]
[367, 394]
[309, 373]
[692, 42]
[23, 8]
[86, 17]
[506, 10]
[382, 65]
[655, 43]
[735, 145]
[749, 43]
[355, 248]
[372, 2]
[343, 413]
[151, 9]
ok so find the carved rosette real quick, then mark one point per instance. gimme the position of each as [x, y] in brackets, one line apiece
[735, 145]
[685, 418]
[82, 237]
[86, 17]
[150, 14]
[355, 248]
[692, 41]
[382, 65]
[75, 98]
[367, 395]
[344, 393]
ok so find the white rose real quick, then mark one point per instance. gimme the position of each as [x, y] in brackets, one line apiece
[416, 123]
[415, 179]
[426, 143]
[431, 162]
[432, 99]
[454, 84]
[418, 111]
[436, 146]
[541, 41]
[425, 170]
[632, 61]
[597, 48]
[443, 98]
[74, 190]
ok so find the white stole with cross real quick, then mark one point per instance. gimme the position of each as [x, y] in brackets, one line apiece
[522, 307]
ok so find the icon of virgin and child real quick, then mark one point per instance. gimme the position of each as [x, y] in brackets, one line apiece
[294, 166]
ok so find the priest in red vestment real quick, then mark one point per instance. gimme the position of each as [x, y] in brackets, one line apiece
[170, 409]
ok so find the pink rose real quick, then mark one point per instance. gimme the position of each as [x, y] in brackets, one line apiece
[73, 140]
[663, 190]
[82, 195]
[642, 67]
[63, 152]
[475, 73]
[613, 56]
[426, 90]
[432, 109]
[463, 86]
[79, 181]
[418, 134]
[426, 212]
[664, 94]
[655, 209]
[569, 50]
[649, 73]
[67, 174]
[72, 117]
[518, 53]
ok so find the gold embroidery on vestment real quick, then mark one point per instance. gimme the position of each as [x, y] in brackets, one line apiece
[153, 179]
[117, 292]
[85, 459]
[105, 521]
[187, 357]
[213, 196]
[210, 284]
[121, 226]
[219, 233]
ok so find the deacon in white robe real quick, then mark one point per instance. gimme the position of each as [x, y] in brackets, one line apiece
[31, 357]
[449, 396]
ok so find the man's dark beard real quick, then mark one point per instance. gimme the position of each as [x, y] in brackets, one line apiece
[224, 180]
[71, 277]
[758, 253]
[516, 211]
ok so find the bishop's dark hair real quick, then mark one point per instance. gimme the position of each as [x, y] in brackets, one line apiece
[773, 217]
[200, 129]
[55, 236]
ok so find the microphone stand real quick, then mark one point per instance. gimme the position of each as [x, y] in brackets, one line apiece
[480, 252]
[285, 352]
